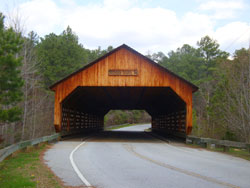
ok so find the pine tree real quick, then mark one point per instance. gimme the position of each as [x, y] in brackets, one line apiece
[60, 55]
[10, 78]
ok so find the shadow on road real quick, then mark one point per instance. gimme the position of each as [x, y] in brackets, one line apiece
[114, 136]
[124, 136]
[121, 136]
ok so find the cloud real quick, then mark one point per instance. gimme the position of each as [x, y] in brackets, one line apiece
[135, 25]
[114, 4]
[233, 35]
[220, 5]
[224, 9]
[42, 16]
[112, 23]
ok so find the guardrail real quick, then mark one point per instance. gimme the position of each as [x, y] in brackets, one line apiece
[7, 151]
[209, 143]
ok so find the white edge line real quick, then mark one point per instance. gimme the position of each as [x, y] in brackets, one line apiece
[75, 167]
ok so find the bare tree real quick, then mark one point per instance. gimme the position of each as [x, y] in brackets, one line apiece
[37, 104]
[234, 101]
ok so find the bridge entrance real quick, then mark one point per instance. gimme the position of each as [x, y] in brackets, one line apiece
[123, 79]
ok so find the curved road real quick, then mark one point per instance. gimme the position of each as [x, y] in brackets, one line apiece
[130, 158]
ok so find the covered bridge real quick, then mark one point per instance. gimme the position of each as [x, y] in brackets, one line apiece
[123, 79]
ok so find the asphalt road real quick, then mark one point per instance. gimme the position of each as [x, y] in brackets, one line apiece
[129, 158]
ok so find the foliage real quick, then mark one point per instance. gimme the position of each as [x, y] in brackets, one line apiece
[118, 117]
[60, 55]
[43, 62]
[96, 53]
[211, 55]
[10, 77]
[185, 61]
[199, 65]
[231, 101]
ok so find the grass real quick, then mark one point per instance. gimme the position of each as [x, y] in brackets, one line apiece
[241, 153]
[25, 169]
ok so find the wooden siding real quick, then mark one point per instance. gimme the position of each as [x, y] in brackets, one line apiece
[149, 75]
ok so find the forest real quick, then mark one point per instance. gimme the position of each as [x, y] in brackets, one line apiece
[29, 64]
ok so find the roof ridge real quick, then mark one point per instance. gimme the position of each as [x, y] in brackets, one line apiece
[195, 88]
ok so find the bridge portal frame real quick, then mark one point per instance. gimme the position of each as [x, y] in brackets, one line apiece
[124, 68]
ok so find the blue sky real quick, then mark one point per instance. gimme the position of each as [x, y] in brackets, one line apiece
[147, 25]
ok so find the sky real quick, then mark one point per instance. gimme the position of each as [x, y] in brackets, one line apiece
[148, 26]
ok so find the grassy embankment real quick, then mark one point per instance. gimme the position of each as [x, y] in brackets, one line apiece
[26, 169]
[241, 153]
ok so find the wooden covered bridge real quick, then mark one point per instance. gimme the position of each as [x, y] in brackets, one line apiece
[123, 79]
